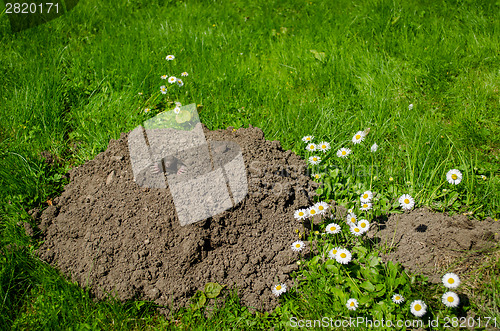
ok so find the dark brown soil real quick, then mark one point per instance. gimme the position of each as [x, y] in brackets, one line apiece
[107, 233]
[432, 244]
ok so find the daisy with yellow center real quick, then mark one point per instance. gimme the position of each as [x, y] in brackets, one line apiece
[343, 152]
[350, 211]
[450, 299]
[177, 110]
[398, 298]
[352, 304]
[321, 206]
[307, 139]
[454, 176]
[366, 206]
[297, 246]
[323, 146]
[279, 289]
[356, 230]
[300, 214]
[163, 89]
[313, 211]
[367, 196]
[343, 256]
[317, 176]
[147, 110]
[164, 77]
[180, 83]
[418, 308]
[184, 74]
[358, 137]
[178, 104]
[311, 147]
[364, 225]
[451, 280]
[172, 79]
[391, 179]
[352, 219]
[483, 177]
[406, 202]
[333, 228]
[332, 254]
[170, 57]
[314, 160]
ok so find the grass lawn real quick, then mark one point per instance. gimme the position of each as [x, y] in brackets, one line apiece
[293, 68]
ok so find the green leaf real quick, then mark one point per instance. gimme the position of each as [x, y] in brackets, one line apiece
[367, 285]
[212, 290]
[199, 300]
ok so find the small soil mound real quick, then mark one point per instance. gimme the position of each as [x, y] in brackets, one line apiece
[430, 243]
[113, 236]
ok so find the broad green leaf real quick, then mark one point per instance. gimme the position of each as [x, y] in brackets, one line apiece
[199, 300]
[367, 285]
[212, 290]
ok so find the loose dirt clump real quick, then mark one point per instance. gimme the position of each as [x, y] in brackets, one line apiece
[431, 243]
[107, 233]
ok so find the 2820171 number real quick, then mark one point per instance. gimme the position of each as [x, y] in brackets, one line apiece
[31, 8]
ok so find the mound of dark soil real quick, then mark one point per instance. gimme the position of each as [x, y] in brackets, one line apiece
[107, 233]
[431, 243]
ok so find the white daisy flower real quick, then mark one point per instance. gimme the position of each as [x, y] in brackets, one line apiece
[332, 228]
[311, 147]
[307, 139]
[454, 176]
[313, 211]
[364, 225]
[147, 110]
[356, 230]
[450, 299]
[177, 110]
[163, 89]
[172, 79]
[451, 280]
[352, 304]
[350, 211]
[300, 214]
[484, 177]
[365, 206]
[184, 74]
[140, 93]
[314, 159]
[374, 148]
[358, 137]
[343, 256]
[170, 57]
[178, 104]
[297, 246]
[406, 202]
[316, 176]
[321, 206]
[279, 289]
[410, 107]
[418, 308]
[164, 77]
[323, 146]
[332, 254]
[343, 152]
[351, 219]
[180, 83]
[367, 196]
[398, 298]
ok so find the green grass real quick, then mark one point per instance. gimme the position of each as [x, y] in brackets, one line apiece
[248, 63]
